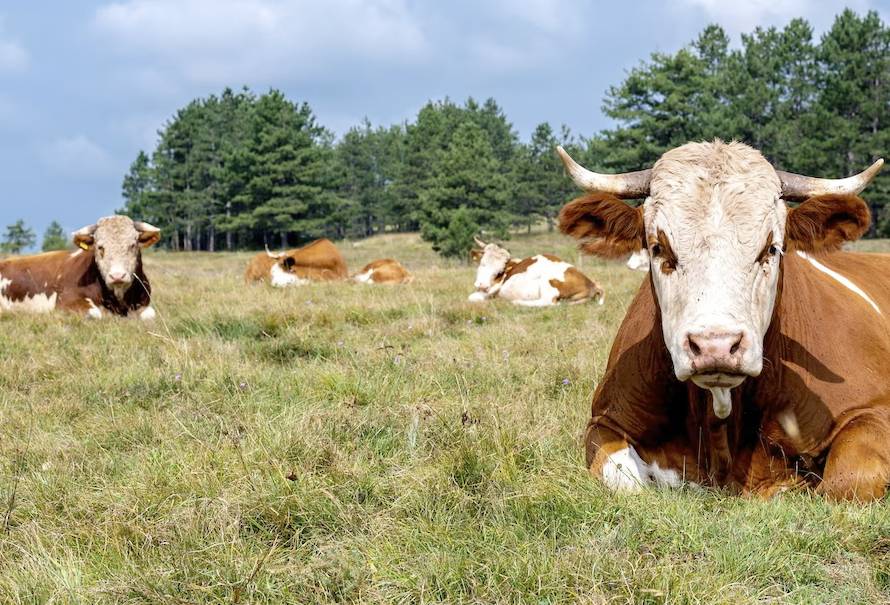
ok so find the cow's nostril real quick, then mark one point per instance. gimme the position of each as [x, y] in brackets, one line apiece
[735, 348]
[696, 350]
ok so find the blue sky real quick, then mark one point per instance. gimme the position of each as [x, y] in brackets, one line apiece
[84, 85]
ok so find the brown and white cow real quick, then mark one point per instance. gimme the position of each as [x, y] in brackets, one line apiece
[383, 271]
[317, 261]
[538, 281]
[104, 276]
[756, 354]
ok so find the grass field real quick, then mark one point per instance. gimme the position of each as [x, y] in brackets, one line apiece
[345, 443]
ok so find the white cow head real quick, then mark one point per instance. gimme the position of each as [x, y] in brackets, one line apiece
[715, 226]
[492, 263]
[116, 242]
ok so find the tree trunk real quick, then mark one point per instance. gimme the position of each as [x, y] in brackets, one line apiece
[284, 240]
[229, 242]
[187, 244]
[211, 239]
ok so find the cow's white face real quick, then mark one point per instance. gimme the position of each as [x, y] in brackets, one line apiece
[715, 227]
[116, 242]
[492, 264]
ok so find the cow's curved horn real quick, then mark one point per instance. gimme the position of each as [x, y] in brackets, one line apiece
[85, 231]
[145, 227]
[626, 185]
[798, 186]
[275, 256]
[479, 242]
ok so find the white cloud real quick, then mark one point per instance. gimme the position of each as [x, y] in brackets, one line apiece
[225, 41]
[77, 157]
[738, 16]
[13, 56]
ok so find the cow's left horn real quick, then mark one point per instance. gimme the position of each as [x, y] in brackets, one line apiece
[798, 186]
[627, 185]
[145, 227]
[478, 241]
[275, 256]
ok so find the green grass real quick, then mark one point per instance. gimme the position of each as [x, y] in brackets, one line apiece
[345, 443]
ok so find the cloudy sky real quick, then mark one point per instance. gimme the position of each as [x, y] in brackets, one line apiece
[85, 85]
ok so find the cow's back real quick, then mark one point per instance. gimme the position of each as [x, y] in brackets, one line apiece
[320, 260]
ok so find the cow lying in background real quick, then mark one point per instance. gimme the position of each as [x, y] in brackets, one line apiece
[755, 354]
[383, 271]
[316, 261]
[103, 277]
[538, 281]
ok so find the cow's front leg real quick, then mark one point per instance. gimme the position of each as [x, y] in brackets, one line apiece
[858, 464]
[623, 466]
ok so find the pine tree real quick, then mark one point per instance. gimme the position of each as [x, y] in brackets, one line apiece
[468, 179]
[54, 238]
[18, 237]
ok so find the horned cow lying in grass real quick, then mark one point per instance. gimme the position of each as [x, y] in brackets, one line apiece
[537, 281]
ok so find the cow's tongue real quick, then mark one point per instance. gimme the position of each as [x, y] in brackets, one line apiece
[722, 401]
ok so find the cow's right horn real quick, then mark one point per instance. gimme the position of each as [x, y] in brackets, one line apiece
[275, 256]
[479, 242]
[628, 185]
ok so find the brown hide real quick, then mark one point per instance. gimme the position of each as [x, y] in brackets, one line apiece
[318, 261]
[74, 278]
[387, 271]
[819, 414]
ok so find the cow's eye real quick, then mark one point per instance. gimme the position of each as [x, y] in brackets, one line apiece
[101, 250]
[655, 250]
[774, 250]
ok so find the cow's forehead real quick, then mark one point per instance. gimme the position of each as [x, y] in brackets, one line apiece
[719, 184]
[115, 227]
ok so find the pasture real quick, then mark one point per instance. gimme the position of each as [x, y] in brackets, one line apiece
[341, 443]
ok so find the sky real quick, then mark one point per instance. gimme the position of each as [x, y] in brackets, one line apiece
[86, 84]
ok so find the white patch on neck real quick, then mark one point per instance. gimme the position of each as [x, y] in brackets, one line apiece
[364, 278]
[281, 278]
[147, 314]
[76, 253]
[625, 471]
[788, 420]
[722, 401]
[94, 312]
[38, 303]
[841, 279]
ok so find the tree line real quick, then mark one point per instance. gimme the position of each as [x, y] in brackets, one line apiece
[240, 170]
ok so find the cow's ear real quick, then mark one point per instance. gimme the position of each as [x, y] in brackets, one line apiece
[82, 241]
[149, 238]
[476, 255]
[288, 262]
[149, 235]
[826, 222]
[606, 226]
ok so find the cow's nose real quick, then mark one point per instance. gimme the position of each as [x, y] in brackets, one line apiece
[117, 277]
[716, 351]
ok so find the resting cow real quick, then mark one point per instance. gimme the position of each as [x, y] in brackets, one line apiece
[538, 281]
[755, 354]
[316, 261]
[103, 277]
[383, 271]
